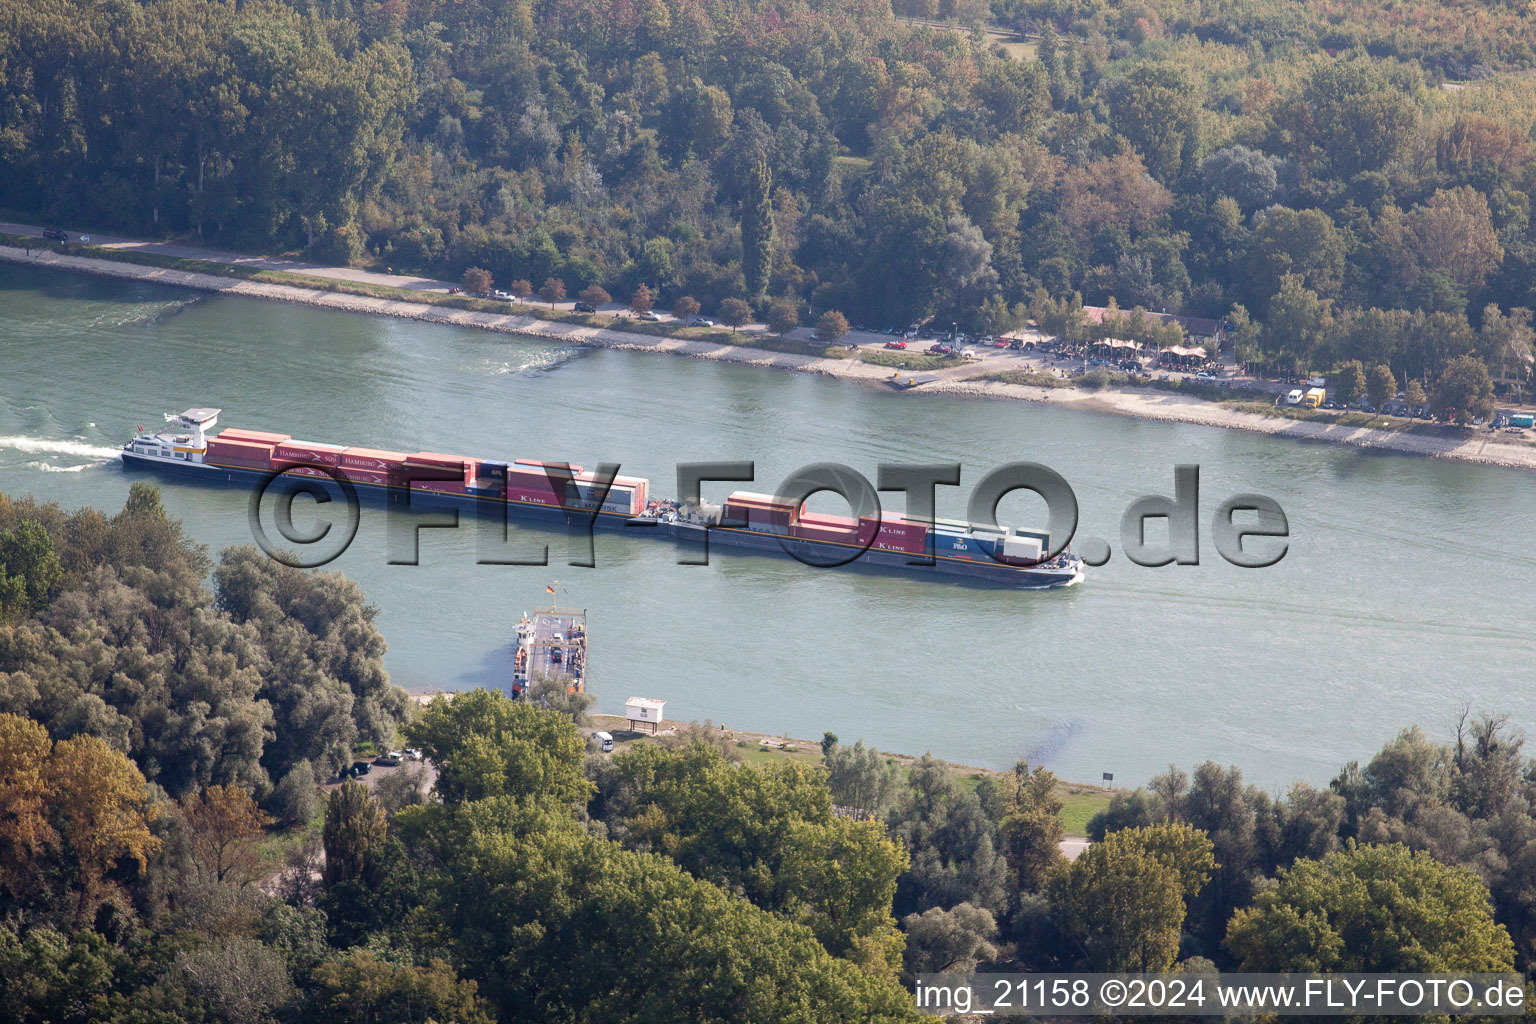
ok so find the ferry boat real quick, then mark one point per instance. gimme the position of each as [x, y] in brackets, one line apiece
[551, 643]
[538, 490]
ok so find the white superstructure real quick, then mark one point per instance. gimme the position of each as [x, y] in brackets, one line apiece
[186, 441]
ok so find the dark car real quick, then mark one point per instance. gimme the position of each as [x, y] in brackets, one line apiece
[54, 234]
[361, 768]
[584, 307]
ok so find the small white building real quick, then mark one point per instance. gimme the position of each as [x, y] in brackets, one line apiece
[644, 714]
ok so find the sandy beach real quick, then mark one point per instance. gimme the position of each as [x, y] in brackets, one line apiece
[1472, 446]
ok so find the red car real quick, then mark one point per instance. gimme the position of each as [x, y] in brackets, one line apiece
[895, 344]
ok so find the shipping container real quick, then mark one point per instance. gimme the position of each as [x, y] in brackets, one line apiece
[231, 462]
[313, 452]
[240, 451]
[371, 459]
[494, 469]
[531, 495]
[262, 436]
[574, 468]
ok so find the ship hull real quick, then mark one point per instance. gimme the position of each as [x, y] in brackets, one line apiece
[816, 553]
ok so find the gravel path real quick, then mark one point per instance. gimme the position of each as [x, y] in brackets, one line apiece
[1480, 446]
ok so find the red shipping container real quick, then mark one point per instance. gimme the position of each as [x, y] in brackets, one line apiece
[263, 436]
[371, 459]
[437, 459]
[230, 462]
[240, 451]
[536, 462]
[365, 476]
[311, 452]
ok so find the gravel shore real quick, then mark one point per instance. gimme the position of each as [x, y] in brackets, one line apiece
[1479, 446]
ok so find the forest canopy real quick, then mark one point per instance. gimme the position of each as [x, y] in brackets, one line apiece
[1351, 184]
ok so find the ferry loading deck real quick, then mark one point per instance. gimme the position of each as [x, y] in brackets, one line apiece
[551, 643]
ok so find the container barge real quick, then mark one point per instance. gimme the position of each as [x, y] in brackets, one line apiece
[1003, 556]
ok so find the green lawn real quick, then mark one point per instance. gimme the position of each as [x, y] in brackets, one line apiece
[1081, 803]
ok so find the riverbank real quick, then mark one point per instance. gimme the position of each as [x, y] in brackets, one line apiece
[1470, 446]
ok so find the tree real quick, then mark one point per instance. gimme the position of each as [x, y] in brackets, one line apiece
[948, 940]
[1463, 389]
[685, 308]
[1349, 382]
[101, 813]
[477, 281]
[1245, 175]
[223, 828]
[1301, 242]
[26, 790]
[556, 925]
[781, 316]
[406, 786]
[1380, 386]
[860, 777]
[1122, 900]
[484, 744]
[594, 296]
[552, 290]
[555, 692]
[735, 312]
[953, 843]
[358, 987]
[1506, 342]
[520, 289]
[355, 829]
[831, 327]
[1354, 115]
[297, 798]
[1157, 107]
[640, 301]
[1371, 908]
[1300, 323]
[1455, 234]
[29, 570]
[1414, 395]
[1031, 827]
[757, 230]
[768, 833]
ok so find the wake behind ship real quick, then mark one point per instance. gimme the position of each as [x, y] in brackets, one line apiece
[539, 490]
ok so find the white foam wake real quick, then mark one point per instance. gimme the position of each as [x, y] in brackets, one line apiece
[48, 446]
[47, 467]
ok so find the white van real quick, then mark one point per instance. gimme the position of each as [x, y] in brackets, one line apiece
[1294, 398]
[605, 741]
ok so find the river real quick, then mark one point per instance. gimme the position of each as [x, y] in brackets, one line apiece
[1403, 595]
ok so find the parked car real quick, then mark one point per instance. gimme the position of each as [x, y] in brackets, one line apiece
[505, 296]
[413, 753]
[1205, 375]
[969, 353]
[361, 768]
[895, 344]
[455, 290]
[390, 760]
[650, 317]
[584, 307]
[55, 235]
[701, 321]
[939, 349]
